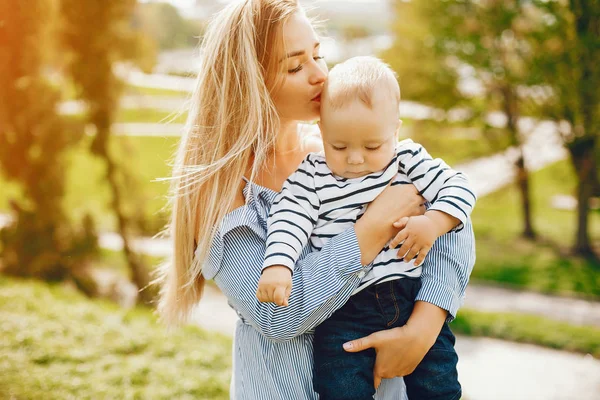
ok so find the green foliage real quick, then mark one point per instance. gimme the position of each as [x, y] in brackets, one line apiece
[529, 329]
[424, 74]
[546, 264]
[57, 344]
[162, 22]
[33, 140]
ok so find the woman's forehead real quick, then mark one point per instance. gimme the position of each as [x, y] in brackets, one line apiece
[298, 34]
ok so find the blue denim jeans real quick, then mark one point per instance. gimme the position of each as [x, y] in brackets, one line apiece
[341, 375]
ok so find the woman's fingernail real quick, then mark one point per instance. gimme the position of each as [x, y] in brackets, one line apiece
[348, 346]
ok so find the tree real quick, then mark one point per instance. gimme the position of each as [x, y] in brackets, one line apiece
[97, 34]
[41, 241]
[162, 22]
[435, 39]
[567, 59]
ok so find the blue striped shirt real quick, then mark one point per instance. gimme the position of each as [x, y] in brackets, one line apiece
[273, 345]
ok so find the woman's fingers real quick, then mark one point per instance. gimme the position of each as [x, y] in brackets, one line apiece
[362, 344]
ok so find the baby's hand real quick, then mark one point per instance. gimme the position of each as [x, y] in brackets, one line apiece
[275, 285]
[418, 236]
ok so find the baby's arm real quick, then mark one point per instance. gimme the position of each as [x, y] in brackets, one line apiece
[291, 221]
[449, 192]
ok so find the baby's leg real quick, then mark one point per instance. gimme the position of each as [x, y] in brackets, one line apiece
[337, 374]
[341, 375]
[436, 377]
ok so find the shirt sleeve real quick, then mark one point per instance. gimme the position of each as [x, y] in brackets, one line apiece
[322, 282]
[447, 268]
[292, 217]
[447, 190]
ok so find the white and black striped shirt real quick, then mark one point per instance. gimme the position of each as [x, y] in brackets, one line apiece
[314, 205]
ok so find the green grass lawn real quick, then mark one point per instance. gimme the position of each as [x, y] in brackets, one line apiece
[529, 329]
[57, 344]
[149, 115]
[544, 265]
[139, 90]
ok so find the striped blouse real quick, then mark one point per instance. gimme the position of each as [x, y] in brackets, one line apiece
[272, 349]
[315, 205]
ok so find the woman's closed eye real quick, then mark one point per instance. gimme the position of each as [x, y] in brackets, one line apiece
[300, 66]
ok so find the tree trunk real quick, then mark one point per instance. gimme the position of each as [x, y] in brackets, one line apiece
[523, 184]
[583, 159]
[139, 273]
[522, 176]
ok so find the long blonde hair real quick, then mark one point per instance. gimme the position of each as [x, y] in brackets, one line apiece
[232, 122]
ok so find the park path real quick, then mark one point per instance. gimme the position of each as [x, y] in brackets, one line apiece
[489, 369]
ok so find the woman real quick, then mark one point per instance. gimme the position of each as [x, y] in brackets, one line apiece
[261, 74]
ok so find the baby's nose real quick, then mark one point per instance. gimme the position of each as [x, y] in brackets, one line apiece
[355, 158]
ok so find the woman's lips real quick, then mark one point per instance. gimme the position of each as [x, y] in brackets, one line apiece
[317, 98]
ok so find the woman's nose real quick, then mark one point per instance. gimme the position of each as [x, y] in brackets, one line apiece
[319, 74]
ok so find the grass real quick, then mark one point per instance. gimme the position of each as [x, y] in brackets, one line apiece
[149, 115]
[529, 329]
[57, 344]
[139, 90]
[544, 265]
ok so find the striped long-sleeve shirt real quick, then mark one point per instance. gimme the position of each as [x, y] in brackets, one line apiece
[315, 205]
[272, 347]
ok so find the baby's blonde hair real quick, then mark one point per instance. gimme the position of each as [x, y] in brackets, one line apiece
[361, 78]
[232, 123]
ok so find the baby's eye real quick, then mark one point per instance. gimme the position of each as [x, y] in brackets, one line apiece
[338, 148]
[373, 148]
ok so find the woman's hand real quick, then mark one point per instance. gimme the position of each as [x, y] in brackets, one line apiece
[376, 227]
[400, 350]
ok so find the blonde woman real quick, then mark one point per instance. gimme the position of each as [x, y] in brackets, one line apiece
[262, 73]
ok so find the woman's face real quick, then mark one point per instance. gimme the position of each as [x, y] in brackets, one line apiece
[298, 98]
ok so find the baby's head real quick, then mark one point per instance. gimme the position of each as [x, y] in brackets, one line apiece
[359, 116]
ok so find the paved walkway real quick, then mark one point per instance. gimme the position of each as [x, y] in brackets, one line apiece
[489, 369]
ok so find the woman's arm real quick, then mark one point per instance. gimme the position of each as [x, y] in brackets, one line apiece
[323, 280]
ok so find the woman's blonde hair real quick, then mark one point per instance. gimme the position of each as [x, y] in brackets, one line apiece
[232, 122]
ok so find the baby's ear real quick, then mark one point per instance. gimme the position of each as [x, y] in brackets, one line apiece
[398, 128]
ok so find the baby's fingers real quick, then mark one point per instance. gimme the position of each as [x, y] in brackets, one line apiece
[421, 257]
[280, 296]
[401, 223]
[399, 238]
[405, 248]
[412, 252]
[261, 295]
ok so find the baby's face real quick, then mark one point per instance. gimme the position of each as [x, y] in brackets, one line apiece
[357, 140]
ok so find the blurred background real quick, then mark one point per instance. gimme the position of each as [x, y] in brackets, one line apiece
[93, 97]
